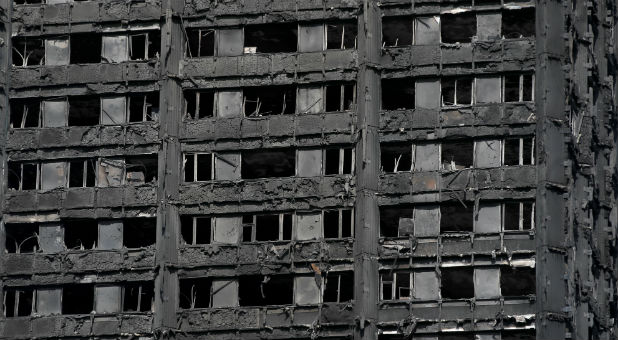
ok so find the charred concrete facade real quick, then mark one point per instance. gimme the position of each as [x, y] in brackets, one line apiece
[308, 169]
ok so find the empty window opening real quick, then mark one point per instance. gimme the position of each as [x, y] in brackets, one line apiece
[82, 173]
[23, 176]
[84, 110]
[80, 234]
[427, 30]
[338, 161]
[143, 107]
[456, 217]
[518, 215]
[518, 87]
[269, 100]
[145, 45]
[196, 229]
[21, 237]
[341, 36]
[396, 31]
[115, 48]
[199, 104]
[138, 296]
[265, 290]
[397, 94]
[519, 151]
[200, 43]
[268, 163]
[517, 281]
[340, 97]
[25, 113]
[85, 48]
[18, 302]
[194, 293]
[458, 28]
[457, 283]
[456, 91]
[28, 51]
[22, 2]
[339, 287]
[142, 169]
[77, 299]
[395, 157]
[271, 38]
[198, 167]
[272, 227]
[139, 232]
[390, 217]
[396, 285]
[457, 155]
[338, 223]
[518, 23]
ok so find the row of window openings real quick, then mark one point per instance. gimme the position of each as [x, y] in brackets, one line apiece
[457, 28]
[456, 155]
[84, 110]
[271, 38]
[432, 220]
[252, 164]
[86, 48]
[80, 234]
[458, 283]
[407, 93]
[270, 100]
[505, 334]
[266, 290]
[327, 224]
[102, 172]
[79, 299]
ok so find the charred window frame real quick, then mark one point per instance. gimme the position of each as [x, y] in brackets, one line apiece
[457, 155]
[18, 301]
[397, 31]
[457, 282]
[143, 107]
[518, 23]
[138, 296]
[518, 215]
[82, 173]
[141, 169]
[194, 293]
[198, 167]
[78, 298]
[85, 48]
[258, 290]
[23, 175]
[21, 238]
[457, 91]
[395, 157]
[519, 151]
[27, 51]
[271, 38]
[457, 28]
[200, 42]
[395, 285]
[456, 217]
[269, 100]
[340, 97]
[199, 104]
[397, 93]
[25, 113]
[338, 223]
[517, 281]
[268, 163]
[518, 87]
[254, 227]
[197, 230]
[338, 287]
[28, 2]
[144, 45]
[341, 35]
[339, 161]
[84, 110]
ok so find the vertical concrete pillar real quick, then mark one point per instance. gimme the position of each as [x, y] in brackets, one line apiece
[172, 42]
[366, 276]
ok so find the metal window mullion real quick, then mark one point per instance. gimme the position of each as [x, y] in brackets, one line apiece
[38, 175]
[16, 305]
[139, 298]
[194, 179]
[280, 227]
[194, 231]
[521, 216]
[521, 87]
[521, 151]
[455, 98]
[338, 288]
[340, 223]
[254, 228]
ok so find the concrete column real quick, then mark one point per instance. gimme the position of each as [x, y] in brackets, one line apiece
[366, 276]
[171, 99]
